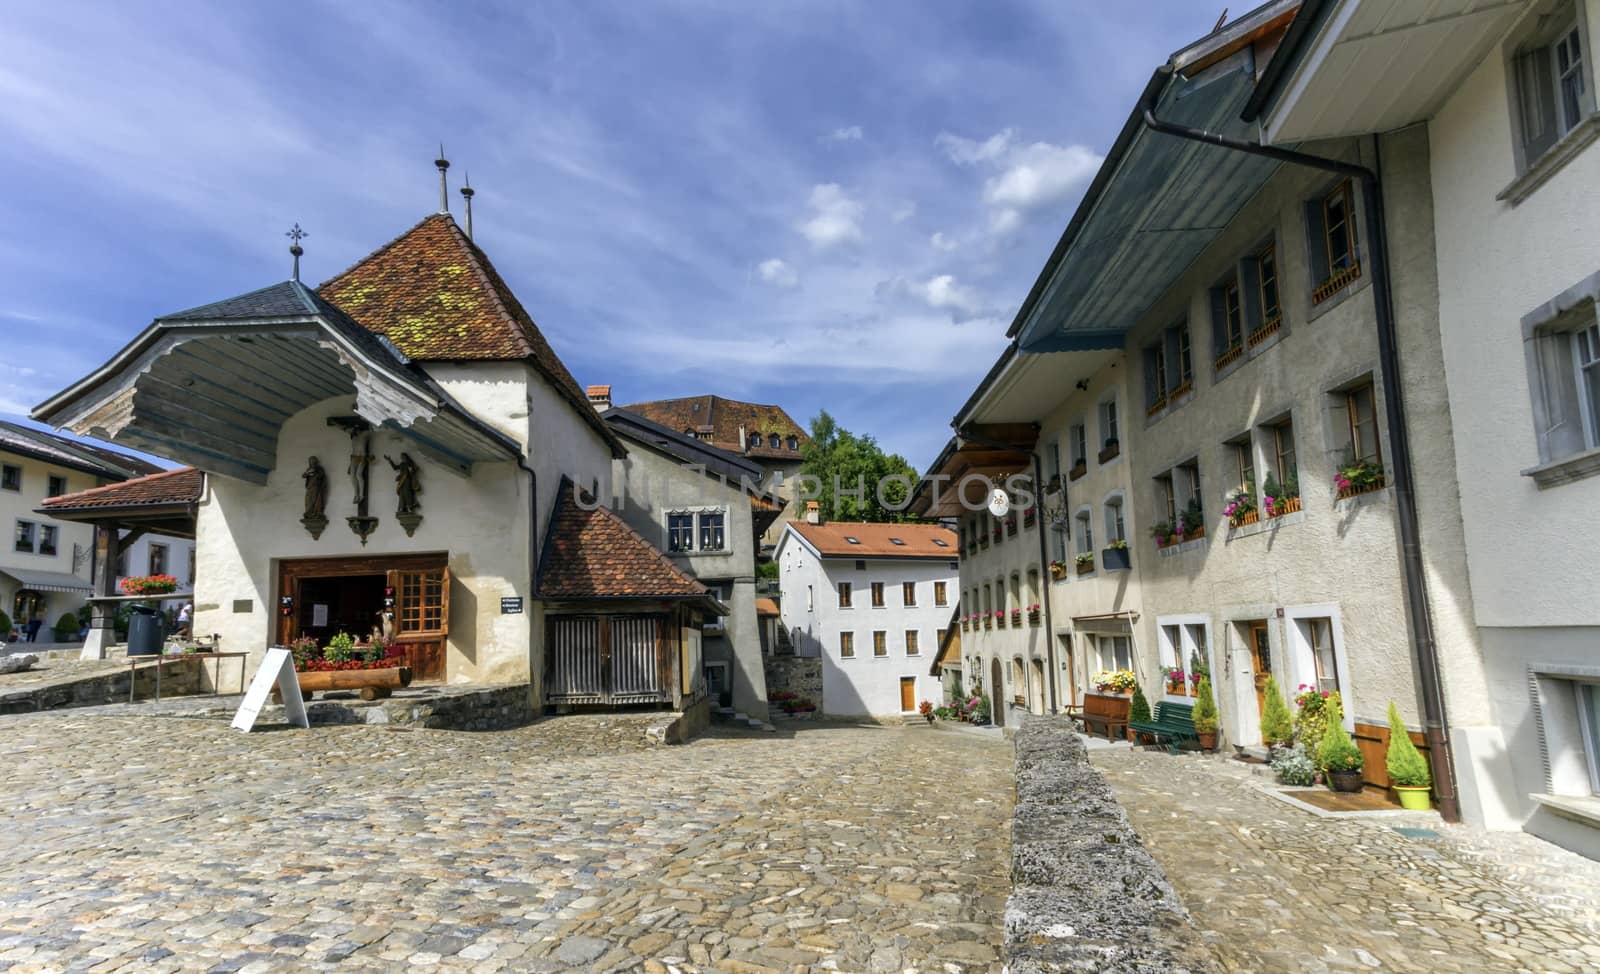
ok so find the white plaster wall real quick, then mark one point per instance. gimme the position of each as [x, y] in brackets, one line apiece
[1530, 552]
[481, 521]
[1496, 263]
[19, 505]
[865, 685]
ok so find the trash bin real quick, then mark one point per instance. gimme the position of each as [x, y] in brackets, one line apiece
[147, 631]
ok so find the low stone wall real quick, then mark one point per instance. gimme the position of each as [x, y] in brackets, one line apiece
[179, 677]
[680, 727]
[437, 708]
[1086, 895]
[801, 675]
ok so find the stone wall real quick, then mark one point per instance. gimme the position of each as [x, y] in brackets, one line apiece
[797, 674]
[179, 677]
[1086, 895]
[437, 708]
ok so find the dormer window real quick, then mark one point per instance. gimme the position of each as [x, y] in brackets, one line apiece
[940, 542]
[755, 440]
[851, 540]
[794, 444]
[772, 441]
[897, 541]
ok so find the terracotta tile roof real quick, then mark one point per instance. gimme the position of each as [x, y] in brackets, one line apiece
[437, 297]
[593, 554]
[723, 418]
[875, 540]
[181, 486]
[767, 607]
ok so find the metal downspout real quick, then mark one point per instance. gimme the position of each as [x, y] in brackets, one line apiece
[1044, 559]
[1417, 603]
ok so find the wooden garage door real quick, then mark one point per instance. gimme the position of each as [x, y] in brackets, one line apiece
[608, 659]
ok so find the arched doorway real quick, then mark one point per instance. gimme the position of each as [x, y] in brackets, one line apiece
[1036, 688]
[997, 693]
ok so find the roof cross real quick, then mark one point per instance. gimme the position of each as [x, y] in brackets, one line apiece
[295, 235]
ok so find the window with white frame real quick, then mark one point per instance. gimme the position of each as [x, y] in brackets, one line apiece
[1317, 631]
[1084, 531]
[1116, 528]
[1184, 659]
[680, 532]
[711, 530]
[1078, 439]
[1112, 652]
[1550, 74]
[1110, 439]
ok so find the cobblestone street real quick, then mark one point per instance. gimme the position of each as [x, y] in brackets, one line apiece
[1278, 889]
[163, 844]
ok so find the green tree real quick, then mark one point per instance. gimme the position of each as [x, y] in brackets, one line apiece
[1275, 721]
[1205, 708]
[1406, 764]
[1138, 707]
[856, 463]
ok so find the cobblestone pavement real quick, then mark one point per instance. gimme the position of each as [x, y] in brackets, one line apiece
[1278, 889]
[159, 844]
[57, 668]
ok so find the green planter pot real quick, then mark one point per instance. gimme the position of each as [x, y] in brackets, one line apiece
[1413, 798]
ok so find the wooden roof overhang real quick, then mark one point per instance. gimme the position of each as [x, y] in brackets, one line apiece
[215, 393]
[990, 452]
[177, 520]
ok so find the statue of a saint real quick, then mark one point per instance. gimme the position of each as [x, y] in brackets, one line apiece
[407, 483]
[360, 459]
[316, 480]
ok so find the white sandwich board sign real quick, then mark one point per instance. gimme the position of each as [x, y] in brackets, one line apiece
[276, 668]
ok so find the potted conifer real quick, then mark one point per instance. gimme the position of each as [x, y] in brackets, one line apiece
[1205, 716]
[1338, 755]
[1138, 713]
[1276, 728]
[1408, 772]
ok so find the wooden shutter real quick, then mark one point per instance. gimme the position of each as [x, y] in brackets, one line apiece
[1152, 381]
[1317, 241]
[1219, 321]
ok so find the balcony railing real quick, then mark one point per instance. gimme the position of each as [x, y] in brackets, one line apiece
[1267, 330]
[1336, 283]
[1230, 356]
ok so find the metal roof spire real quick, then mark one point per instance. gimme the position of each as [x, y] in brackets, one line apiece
[444, 189]
[295, 235]
[466, 194]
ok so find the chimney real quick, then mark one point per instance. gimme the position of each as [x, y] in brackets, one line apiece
[599, 397]
[813, 512]
[742, 444]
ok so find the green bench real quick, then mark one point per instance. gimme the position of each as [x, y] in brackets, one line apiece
[1173, 721]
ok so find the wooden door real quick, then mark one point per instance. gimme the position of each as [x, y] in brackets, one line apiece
[1261, 662]
[418, 584]
[908, 694]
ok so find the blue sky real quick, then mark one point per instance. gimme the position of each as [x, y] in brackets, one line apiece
[820, 205]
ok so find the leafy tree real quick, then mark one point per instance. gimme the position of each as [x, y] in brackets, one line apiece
[858, 463]
[1406, 765]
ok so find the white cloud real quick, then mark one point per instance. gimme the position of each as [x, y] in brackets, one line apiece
[964, 151]
[903, 212]
[941, 292]
[850, 133]
[778, 273]
[1029, 176]
[835, 217]
[942, 243]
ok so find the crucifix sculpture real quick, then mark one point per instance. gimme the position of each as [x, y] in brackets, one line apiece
[360, 471]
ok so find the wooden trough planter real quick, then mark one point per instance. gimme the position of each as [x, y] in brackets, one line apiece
[372, 684]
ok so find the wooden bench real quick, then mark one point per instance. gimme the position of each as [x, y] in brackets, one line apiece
[1172, 721]
[1106, 710]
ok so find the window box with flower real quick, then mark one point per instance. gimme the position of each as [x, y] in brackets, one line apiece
[375, 668]
[1016, 618]
[1358, 477]
[988, 620]
[1240, 507]
[1058, 569]
[1278, 499]
[1115, 681]
[1177, 680]
[1029, 516]
[1085, 562]
[1114, 557]
[1033, 614]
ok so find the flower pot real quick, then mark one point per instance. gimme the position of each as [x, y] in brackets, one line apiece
[1413, 797]
[1345, 781]
[1115, 559]
[1208, 741]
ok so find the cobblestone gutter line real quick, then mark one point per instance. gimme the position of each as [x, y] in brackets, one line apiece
[1086, 895]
